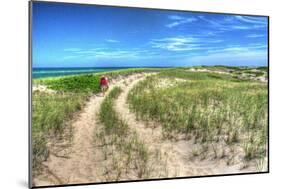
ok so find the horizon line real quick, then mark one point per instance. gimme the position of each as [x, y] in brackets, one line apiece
[152, 66]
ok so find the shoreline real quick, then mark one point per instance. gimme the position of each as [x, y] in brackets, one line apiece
[121, 69]
[92, 73]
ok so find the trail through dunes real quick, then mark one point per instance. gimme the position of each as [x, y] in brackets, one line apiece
[77, 162]
[82, 162]
[178, 154]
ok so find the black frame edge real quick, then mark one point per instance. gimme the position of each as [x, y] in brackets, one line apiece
[30, 94]
[268, 92]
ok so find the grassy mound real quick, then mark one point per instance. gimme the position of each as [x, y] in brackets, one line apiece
[126, 154]
[213, 108]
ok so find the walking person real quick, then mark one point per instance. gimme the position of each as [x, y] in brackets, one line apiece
[104, 84]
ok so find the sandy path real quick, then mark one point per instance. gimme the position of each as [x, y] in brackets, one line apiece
[79, 163]
[177, 154]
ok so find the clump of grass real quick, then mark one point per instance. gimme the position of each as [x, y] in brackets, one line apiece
[261, 164]
[250, 150]
[109, 117]
[49, 117]
[131, 154]
[79, 83]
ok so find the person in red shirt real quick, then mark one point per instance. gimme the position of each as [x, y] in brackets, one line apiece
[104, 84]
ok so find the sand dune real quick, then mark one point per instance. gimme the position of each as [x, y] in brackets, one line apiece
[81, 162]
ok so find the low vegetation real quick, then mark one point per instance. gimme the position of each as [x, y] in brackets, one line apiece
[49, 116]
[212, 109]
[242, 73]
[221, 113]
[86, 82]
[53, 108]
[126, 156]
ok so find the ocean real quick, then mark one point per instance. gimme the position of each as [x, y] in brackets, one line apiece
[57, 72]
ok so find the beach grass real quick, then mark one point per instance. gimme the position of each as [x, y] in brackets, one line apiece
[210, 107]
[130, 154]
[50, 113]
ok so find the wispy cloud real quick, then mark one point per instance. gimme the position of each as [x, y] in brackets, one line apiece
[252, 20]
[115, 54]
[255, 35]
[240, 27]
[238, 48]
[112, 41]
[235, 23]
[175, 17]
[179, 20]
[106, 53]
[181, 43]
[232, 55]
[210, 33]
[175, 43]
[211, 22]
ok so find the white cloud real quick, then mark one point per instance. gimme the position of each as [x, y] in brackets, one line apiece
[181, 43]
[116, 54]
[106, 53]
[239, 27]
[176, 17]
[175, 43]
[216, 24]
[112, 41]
[255, 35]
[231, 56]
[179, 20]
[252, 19]
[235, 23]
[249, 22]
[239, 48]
[173, 24]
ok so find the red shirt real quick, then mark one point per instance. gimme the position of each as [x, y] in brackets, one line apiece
[104, 81]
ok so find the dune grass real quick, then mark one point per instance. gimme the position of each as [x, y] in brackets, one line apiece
[49, 116]
[51, 112]
[109, 118]
[212, 108]
[122, 148]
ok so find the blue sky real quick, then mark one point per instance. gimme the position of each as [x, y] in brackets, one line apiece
[69, 35]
